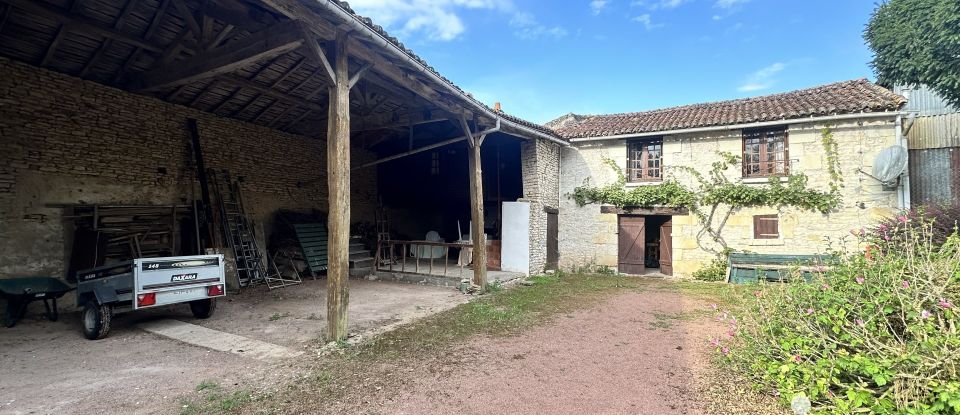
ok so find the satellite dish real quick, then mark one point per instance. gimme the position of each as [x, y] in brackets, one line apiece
[890, 164]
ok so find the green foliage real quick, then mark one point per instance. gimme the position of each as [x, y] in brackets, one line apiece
[669, 193]
[917, 42]
[874, 333]
[716, 189]
[715, 270]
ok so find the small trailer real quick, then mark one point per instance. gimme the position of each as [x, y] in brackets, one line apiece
[146, 283]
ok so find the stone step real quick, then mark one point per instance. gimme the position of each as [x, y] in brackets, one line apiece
[362, 262]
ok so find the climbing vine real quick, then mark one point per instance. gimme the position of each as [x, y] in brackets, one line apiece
[715, 190]
[833, 159]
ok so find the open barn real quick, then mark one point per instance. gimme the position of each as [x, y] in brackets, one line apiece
[137, 128]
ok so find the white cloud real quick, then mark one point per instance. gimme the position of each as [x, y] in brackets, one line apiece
[526, 26]
[727, 4]
[597, 6]
[658, 4]
[437, 19]
[763, 78]
[646, 21]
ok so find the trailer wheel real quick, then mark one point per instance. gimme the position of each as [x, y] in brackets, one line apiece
[203, 308]
[96, 320]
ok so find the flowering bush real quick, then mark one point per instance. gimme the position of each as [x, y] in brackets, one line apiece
[941, 222]
[875, 333]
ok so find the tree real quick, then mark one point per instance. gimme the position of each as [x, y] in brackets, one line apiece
[917, 42]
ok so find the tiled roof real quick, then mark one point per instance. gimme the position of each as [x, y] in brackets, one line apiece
[859, 95]
[379, 30]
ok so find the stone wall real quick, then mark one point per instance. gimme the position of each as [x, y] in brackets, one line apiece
[588, 237]
[65, 140]
[540, 168]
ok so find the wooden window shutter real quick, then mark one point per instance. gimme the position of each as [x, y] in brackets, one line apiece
[766, 227]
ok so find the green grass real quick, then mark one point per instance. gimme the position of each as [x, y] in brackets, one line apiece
[501, 312]
[278, 316]
[212, 399]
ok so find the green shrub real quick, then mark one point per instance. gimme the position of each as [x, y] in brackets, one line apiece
[874, 333]
[715, 270]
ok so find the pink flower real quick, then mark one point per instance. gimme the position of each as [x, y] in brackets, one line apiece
[883, 227]
[731, 333]
[944, 303]
[824, 287]
[924, 314]
[715, 342]
[713, 306]
[809, 311]
[797, 358]
[725, 350]
[756, 293]
[859, 322]
[860, 280]
[903, 219]
[905, 284]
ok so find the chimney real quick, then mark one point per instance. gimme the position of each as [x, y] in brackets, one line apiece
[496, 106]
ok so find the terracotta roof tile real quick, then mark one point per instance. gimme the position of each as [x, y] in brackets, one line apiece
[859, 95]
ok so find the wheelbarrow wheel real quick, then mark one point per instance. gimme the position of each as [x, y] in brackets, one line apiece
[96, 320]
[203, 308]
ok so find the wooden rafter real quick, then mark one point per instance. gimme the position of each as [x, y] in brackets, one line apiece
[80, 23]
[118, 24]
[52, 48]
[4, 15]
[273, 93]
[203, 92]
[189, 19]
[269, 42]
[154, 24]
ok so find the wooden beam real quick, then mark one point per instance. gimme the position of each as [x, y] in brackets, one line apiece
[288, 72]
[649, 211]
[266, 43]
[118, 24]
[414, 151]
[226, 31]
[317, 54]
[476, 214]
[270, 92]
[356, 77]
[53, 45]
[187, 15]
[338, 184]
[476, 204]
[4, 16]
[132, 59]
[80, 23]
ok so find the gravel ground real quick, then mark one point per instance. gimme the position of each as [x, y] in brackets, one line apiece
[636, 353]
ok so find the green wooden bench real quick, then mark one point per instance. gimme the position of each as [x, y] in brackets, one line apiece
[747, 268]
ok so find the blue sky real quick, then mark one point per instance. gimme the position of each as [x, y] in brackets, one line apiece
[542, 59]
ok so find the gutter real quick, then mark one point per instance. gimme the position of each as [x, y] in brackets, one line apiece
[354, 22]
[859, 115]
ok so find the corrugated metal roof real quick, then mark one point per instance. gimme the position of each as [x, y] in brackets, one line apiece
[923, 100]
[937, 131]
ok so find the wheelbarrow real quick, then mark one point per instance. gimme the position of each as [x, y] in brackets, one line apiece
[19, 292]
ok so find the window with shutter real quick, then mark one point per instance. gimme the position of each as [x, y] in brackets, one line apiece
[766, 227]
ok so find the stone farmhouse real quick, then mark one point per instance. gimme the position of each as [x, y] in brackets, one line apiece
[773, 136]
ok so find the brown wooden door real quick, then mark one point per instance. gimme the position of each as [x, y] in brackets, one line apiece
[553, 245]
[632, 242]
[666, 248]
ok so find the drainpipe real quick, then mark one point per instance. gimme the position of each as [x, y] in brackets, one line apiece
[903, 192]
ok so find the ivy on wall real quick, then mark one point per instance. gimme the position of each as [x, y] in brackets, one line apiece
[715, 190]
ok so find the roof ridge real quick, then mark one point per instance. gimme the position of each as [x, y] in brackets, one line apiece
[854, 81]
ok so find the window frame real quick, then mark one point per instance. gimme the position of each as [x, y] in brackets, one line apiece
[644, 176]
[758, 219]
[764, 165]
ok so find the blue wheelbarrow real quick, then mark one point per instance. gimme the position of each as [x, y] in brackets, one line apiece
[20, 292]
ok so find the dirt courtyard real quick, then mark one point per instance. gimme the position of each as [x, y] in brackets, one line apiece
[49, 367]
